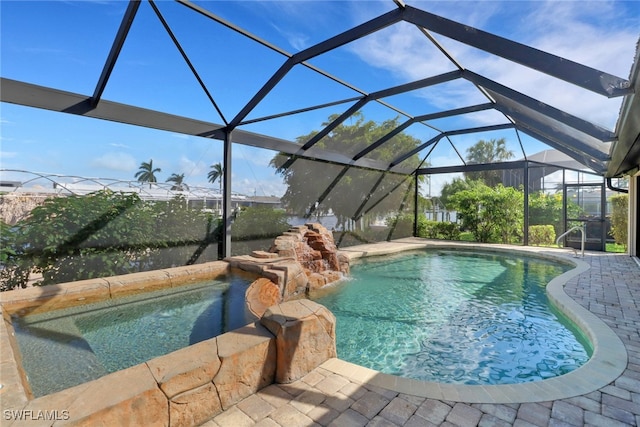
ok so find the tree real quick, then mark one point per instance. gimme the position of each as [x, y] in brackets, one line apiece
[456, 185]
[491, 214]
[491, 151]
[318, 187]
[215, 174]
[546, 209]
[178, 182]
[146, 173]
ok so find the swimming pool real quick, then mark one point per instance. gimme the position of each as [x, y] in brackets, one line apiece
[64, 348]
[455, 317]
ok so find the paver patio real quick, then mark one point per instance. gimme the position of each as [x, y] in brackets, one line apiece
[610, 289]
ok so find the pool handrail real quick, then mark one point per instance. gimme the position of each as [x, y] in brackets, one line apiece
[582, 240]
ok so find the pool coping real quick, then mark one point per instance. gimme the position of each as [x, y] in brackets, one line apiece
[608, 361]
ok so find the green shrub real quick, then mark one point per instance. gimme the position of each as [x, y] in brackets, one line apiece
[546, 209]
[491, 214]
[619, 218]
[102, 234]
[258, 222]
[429, 230]
[441, 230]
[542, 235]
[448, 230]
[402, 225]
[422, 225]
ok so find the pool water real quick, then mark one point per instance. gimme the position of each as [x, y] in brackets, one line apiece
[455, 317]
[64, 348]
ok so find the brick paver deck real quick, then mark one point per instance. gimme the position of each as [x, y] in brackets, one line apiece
[610, 289]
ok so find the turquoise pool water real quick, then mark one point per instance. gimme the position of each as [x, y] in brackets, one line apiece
[64, 348]
[454, 317]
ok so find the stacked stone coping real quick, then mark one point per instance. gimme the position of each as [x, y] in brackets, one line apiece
[169, 384]
[188, 386]
[15, 390]
[39, 299]
[143, 391]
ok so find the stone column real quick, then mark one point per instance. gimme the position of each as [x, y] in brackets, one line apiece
[305, 334]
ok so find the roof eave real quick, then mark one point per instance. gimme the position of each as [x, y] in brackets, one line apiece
[625, 152]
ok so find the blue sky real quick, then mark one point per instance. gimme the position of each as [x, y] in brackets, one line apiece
[63, 44]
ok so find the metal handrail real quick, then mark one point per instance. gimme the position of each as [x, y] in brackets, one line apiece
[577, 227]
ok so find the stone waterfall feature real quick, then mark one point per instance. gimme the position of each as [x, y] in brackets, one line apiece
[302, 259]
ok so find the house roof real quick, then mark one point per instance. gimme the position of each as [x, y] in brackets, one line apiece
[556, 158]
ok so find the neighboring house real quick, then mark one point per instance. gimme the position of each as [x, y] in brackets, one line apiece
[271, 201]
[544, 165]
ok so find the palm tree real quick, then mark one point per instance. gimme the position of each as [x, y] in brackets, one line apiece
[146, 173]
[215, 174]
[178, 182]
[491, 151]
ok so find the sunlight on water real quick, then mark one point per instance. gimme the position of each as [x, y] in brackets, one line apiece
[454, 317]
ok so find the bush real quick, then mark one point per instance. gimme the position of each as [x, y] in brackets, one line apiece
[491, 214]
[258, 222]
[422, 225]
[12, 273]
[619, 218]
[101, 234]
[546, 209]
[6, 242]
[542, 235]
[347, 238]
[402, 225]
[441, 230]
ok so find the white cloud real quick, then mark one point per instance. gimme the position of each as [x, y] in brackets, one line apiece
[297, 40]
[258, 157]
[192, 168]
[473, 13]
[252, 187]
[118, 145]
[404, 50]
[115, 161]
[8, 154]
[587, 35]
[593, 35]
[44, 50]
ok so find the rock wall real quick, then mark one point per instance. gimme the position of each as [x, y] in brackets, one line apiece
[312, 245]
[305, 334]
[303, 259]
[190, 386]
